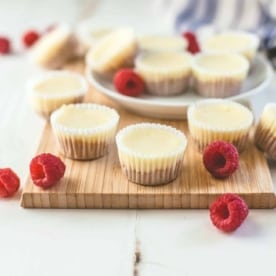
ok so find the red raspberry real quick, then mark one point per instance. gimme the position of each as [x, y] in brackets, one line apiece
[9, 182]
[193, 46]
[128, 83]
[30, 37]
[221, 159]
[228, 212]
[46, 170]
[5, 45]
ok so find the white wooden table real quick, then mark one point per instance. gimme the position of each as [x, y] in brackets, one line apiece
[104, 242]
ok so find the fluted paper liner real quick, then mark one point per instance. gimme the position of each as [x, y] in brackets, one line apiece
[164, 81]
[265, 133]
[88, 143]
[150, 169]
[218, 84]
[203, 134]
[45, 104]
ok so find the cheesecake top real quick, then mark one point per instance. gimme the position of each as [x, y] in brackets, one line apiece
[111, 45]
[100, 33]
[159, 43]
[221, 63]
[57, 84]
[51, 43]
[152, 140]
[164, 60]
[84, 116]
[60, 84]
[220, 114]
[229, 42]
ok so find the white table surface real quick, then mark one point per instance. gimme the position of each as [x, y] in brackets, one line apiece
[102, 242]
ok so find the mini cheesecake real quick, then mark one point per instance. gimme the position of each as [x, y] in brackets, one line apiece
[157, 43]
[219, 120]
[238, 42]
[151, 154]
[89, 35]
[54, 48]
[84, 131]
[164, 73]
[53, 89]
[114, 51]
[219, 75]
[265, 134]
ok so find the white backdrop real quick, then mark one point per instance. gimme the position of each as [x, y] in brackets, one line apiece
[102, 242]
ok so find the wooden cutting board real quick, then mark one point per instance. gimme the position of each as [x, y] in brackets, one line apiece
[101, 184]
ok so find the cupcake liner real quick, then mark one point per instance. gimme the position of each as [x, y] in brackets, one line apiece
[87, 143]
[167, 87]
[150, 169]
[81, 147]
[203, 134]
[165, 81]
[239, 140]
[157, 177]
[271, 149]
[118, 56]
[44, 104]
[265, 133]
[218, 84]
[218, 87]
[266, 141]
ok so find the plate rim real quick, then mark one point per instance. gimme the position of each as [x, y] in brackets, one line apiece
[138, 101]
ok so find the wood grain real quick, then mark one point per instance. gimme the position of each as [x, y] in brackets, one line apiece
[101, 184]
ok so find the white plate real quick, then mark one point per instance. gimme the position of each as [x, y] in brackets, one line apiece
[175, 107]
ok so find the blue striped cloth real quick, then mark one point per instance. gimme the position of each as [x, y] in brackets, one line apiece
[251, 15]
